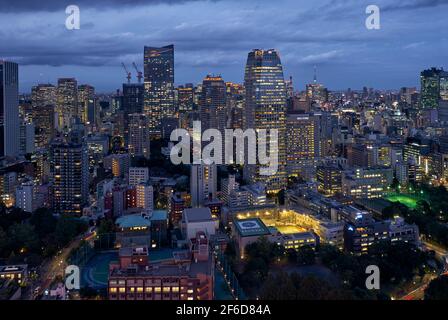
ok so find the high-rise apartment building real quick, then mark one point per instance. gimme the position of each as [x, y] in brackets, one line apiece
[145, 196]
[138, 175]
[203, 183]
[139, 135]
[70, 177]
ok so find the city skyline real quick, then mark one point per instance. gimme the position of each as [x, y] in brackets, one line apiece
[216, 36]
[183, 150]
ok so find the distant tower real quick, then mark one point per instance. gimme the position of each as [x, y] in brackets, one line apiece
[43, 97]
[159, 85]
[315, 75]
[86, 103]
[67, 102]
[9, 109]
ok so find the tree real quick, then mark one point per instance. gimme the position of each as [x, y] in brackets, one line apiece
[23, 238]
[395, 209]
[328, 254]
[67, 228]
[265, 250]
[424, 208]
[291, 255]
[306, 255]
[106, 226]
[44, 222]
[16, 215]
[4, 242]
[283, 286]
[437, 289]
[278, 287]
[395, 185]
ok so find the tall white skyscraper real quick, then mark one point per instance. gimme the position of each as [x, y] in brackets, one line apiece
[9, 109]
[203, 183]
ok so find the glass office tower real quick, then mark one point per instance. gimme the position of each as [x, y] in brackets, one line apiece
[266, 109]
[159, 85]
[9, 109]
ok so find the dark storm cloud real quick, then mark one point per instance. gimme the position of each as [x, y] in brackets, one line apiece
[57, 5]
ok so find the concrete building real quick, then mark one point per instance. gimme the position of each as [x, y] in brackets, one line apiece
[203, 183]
[366, 183]
[198, 220]
[138, 175]
[145, 197]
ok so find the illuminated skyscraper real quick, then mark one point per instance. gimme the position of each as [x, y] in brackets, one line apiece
[235, 105]
[266, 109]
[213, 103]
[9, 109]
[185, 98]
[434, 86]
[159, 85]
[43, 99]
[67, 102]
[42, 95]
[86, 101]
[302, 144]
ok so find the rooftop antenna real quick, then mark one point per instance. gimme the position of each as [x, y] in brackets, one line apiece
[128, 74]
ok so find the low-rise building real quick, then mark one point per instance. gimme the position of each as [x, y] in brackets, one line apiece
[195, 220]
[189, 275]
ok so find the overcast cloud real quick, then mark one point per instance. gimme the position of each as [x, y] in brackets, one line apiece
[215, 36]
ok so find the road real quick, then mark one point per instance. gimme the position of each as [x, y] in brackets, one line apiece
[419, 293]
[55, 266]
[440, 251]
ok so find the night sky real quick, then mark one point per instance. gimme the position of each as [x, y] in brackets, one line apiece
[215, 37]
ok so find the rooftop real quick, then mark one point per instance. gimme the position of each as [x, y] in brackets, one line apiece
[251, 227]
[197, 215]
[132, 221]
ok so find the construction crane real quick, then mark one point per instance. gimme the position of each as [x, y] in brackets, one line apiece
[128, 74]
[139, 73]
